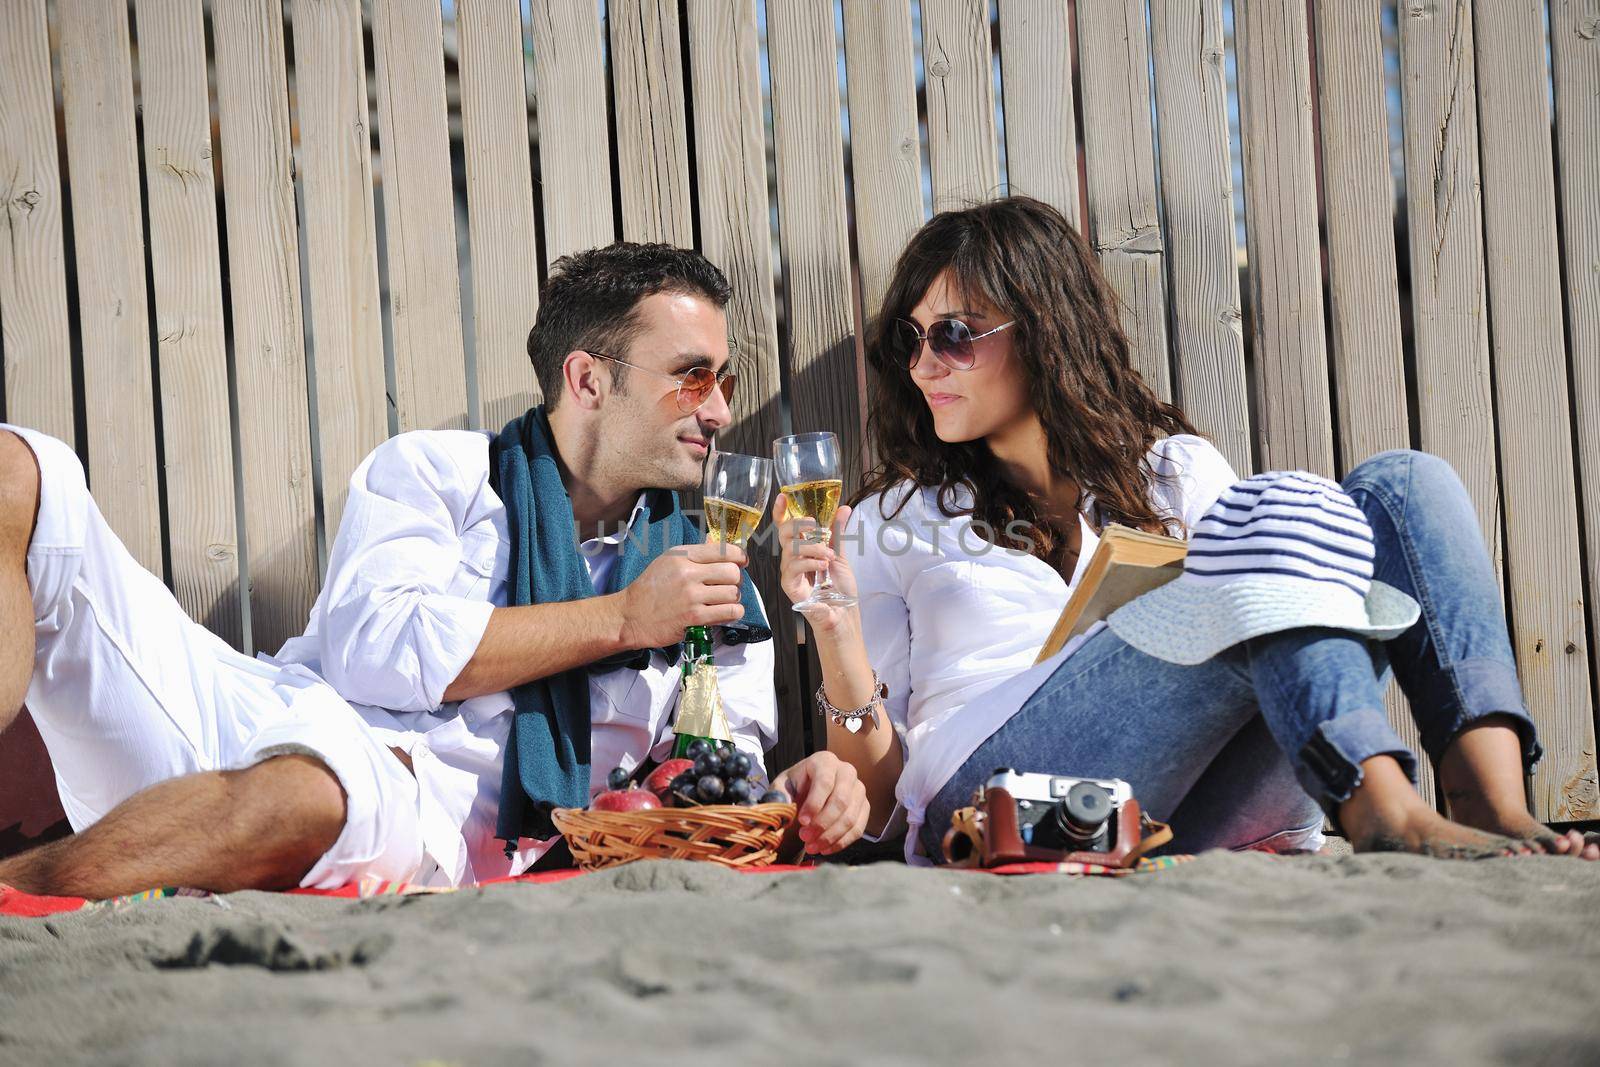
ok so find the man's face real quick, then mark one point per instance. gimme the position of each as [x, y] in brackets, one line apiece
[644, 432]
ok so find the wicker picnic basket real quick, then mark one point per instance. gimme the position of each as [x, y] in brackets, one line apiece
[732, 835]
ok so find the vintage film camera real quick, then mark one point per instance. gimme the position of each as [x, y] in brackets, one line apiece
[1019, 817]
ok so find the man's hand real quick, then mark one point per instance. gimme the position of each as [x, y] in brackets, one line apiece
[832, 803]
[697, 585]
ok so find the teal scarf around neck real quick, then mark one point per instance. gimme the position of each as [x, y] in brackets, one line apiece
[547, 754]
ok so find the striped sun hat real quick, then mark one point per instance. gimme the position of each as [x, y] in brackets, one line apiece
[1278, 551]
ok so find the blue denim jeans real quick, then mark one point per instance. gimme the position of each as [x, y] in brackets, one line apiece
[1258, 741]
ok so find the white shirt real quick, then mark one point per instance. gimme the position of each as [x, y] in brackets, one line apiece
[953, 623]
[421, 561]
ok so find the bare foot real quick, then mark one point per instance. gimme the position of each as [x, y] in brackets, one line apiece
[1524, 827]
[1481, 774]
[1384, 814]
[1428, 833]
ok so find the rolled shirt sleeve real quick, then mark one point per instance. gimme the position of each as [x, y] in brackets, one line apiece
[1190, 475]
[389, 632]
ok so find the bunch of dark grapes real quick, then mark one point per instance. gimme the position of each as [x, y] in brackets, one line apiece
[721, 775]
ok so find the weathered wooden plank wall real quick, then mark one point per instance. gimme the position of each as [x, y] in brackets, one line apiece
[1197, 197]
[430, 370]
[340, 230]
[1295, 430]
[268, 330]
[580, 122]
[1444, 215]
[1364, 334]
[500, 203]
[191, 343]
[1533, 410]
[731, 171]
[1575, 46]
[35, 337]
[108, 231]
[574, 146]
[1120, 163]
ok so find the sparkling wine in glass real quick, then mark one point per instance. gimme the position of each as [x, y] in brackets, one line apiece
[809, 475]
[736, 489]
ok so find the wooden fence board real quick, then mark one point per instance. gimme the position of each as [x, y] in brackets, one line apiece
[335, 164]
[1363, 287]
[419, 217]
[35, 337]
[885, 143]
[1295, 427]
[962, 147]
[1197, 196]
[97, 82]
[268, 335]
[1120, 165]
[815, 248]
[1575, 56]
[825, 376]
[1036, 88]
[1445, 222]
[191, 343]
[574, 144]
[731, 170]
[500, 214]
[824, 372]
[1537, 476]
[652, 128]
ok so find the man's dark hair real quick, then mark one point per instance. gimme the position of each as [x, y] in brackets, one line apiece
[591, 300]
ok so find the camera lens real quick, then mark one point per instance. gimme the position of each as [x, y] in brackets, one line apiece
[1085, 808]
[1077, 822]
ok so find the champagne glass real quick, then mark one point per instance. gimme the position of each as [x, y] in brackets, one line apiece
[736, 489]
[809, 475]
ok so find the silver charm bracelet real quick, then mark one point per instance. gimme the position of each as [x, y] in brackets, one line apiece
[852, 720]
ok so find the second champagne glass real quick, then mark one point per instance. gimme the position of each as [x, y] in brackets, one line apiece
[809, 475]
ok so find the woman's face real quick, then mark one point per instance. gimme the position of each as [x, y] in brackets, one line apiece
[988, 399]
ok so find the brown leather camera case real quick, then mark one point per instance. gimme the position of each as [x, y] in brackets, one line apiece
[1002, 841]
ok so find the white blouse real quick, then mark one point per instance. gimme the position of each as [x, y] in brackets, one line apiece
[949, 617]
[421, 561]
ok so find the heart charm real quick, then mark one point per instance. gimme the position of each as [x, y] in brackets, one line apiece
[853, 725]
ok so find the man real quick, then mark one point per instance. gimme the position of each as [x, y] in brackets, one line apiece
[182, 762]
[417, 625]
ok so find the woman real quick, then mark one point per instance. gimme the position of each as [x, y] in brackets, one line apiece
[1242, 701]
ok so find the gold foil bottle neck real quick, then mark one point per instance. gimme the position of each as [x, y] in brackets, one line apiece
[700, 711]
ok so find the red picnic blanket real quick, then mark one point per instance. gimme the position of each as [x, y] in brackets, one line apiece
[14, 902]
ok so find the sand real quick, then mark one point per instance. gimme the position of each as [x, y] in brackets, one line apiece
[1229, 959]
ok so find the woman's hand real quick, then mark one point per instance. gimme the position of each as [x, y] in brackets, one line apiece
[804, 561]
[831, 801]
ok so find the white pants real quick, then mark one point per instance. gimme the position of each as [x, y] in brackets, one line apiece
[127, 691]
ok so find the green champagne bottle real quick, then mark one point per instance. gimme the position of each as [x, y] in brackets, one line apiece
[700, 712]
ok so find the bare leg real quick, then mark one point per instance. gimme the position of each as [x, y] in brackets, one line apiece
[19, 506]
[259, 828]
[1481, 775]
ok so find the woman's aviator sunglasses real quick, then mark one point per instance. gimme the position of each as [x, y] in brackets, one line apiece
[694, 385]
[950, 340]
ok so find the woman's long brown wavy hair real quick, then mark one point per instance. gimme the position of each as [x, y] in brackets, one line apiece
[1099, 416]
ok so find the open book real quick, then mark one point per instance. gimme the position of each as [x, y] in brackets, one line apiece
[1127, 564]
